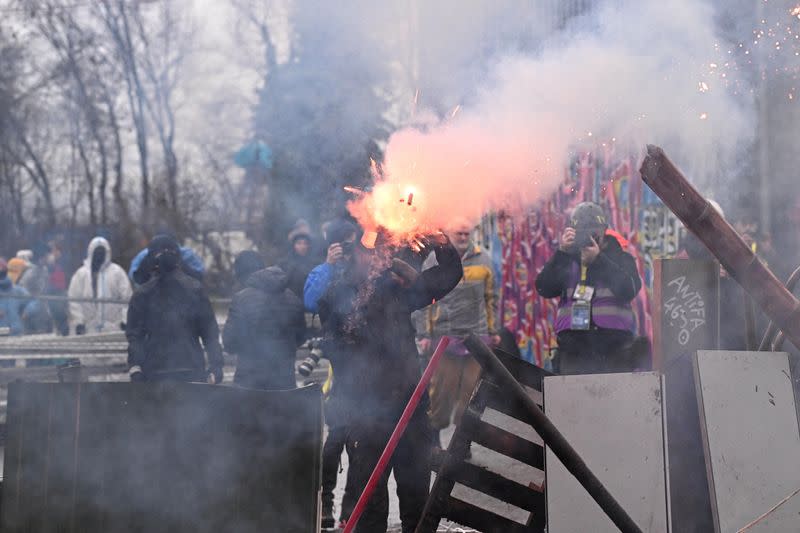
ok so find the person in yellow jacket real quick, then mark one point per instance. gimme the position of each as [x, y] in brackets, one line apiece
[469, 308]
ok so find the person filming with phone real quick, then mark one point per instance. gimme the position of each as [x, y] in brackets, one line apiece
[595, 280]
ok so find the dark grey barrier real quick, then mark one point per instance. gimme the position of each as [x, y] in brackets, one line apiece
[122, 457]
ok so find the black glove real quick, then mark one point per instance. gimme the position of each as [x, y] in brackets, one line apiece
[80, 329]
[122, 326]
[137, 377]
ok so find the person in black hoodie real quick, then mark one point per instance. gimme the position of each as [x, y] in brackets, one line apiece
[168, 316]
[369, 339]
[265, 326]
[595, 280]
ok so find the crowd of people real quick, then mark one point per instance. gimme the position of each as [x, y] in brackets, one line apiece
[382, 309]
[24, 280]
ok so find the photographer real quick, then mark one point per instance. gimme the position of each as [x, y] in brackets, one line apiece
[341, 243]
[595, 280]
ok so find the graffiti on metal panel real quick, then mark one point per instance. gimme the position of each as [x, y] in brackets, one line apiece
[684, 308]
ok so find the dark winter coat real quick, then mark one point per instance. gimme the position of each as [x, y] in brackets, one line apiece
[297, 268]
[613, 275]
[371, 343]
[614, 266]
[265, 325]
[167, 318]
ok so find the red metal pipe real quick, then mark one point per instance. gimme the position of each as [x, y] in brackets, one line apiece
[722, 240]
[399, 429]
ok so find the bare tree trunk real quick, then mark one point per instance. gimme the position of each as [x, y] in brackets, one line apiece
[38, 174]
[119, 199]
[162, 78]
[121, 36]
[90, 179]
[137, 106]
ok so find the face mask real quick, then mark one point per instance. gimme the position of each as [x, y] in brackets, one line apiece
[98, 258]
[167, 261]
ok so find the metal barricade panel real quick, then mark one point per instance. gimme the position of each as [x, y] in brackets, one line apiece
[98, 457]
[751, 439]
[615, 422]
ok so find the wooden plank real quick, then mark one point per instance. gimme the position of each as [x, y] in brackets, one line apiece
[469, 515]
[493, 397]
[502, 441]
[497, 486]
[525, 372]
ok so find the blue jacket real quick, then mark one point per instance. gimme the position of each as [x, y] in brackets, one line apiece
[11, 309]
[317, 284]
[192, 263]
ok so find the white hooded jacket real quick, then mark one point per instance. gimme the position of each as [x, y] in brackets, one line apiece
[112, 283]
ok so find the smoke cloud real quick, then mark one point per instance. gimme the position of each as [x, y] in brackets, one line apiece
[620, 76]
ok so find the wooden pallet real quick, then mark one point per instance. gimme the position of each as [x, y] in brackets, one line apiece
[454, 467]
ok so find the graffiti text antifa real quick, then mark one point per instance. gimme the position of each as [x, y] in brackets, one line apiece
[685, 309]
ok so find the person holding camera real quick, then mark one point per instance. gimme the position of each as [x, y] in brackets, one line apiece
[596, 280]
[341, 243]
[168, 317]
[341, 236]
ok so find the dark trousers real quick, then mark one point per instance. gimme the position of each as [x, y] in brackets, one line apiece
[596, 351]
[410, 464]
[335, 444]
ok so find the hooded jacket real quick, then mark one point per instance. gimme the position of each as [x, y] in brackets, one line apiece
[142, 266]
[12, 309]
[265, 326]
[167, 318]
[112, 283]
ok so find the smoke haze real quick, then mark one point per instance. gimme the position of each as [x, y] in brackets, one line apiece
[623, 75]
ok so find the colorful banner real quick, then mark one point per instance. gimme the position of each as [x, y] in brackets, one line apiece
[521, 246]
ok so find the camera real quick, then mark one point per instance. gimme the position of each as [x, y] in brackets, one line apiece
[308, 364]
[583, 238]
[347, 247]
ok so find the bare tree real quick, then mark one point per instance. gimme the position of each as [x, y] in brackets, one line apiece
[115, 16]
[161, 57]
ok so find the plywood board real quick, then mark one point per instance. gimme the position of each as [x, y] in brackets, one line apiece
[615, 422]
[751, 439]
